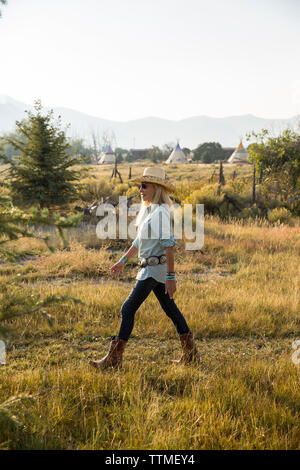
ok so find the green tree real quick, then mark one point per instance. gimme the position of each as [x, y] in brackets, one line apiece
[280, 159]
[155, 154]
[43, 173]
[209, 152]
[8, 150]
[129, 158]
[186, 151]
[119, 152]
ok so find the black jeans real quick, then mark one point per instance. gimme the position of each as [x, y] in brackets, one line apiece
[137, 296]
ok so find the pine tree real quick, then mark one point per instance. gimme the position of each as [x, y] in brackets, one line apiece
[43, 173]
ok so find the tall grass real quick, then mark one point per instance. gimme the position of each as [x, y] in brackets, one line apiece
[240, 297]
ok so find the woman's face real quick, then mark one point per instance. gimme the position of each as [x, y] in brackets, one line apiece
[147, 191]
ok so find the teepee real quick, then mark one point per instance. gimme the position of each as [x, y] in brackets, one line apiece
[177, 156]
[107, 156]
[240, 155]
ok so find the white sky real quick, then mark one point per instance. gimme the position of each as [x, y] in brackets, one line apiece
[127, 59]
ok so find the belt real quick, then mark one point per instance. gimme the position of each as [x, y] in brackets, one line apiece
[153, 261]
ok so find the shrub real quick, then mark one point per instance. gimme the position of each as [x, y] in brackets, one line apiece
[133, 191]
[280, 214]
[95, 189]
[120, 190]
[207, 196]
[249, 212]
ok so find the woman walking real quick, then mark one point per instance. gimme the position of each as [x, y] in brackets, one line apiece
[156, 273]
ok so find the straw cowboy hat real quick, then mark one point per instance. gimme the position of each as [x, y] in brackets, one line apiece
[155, 175]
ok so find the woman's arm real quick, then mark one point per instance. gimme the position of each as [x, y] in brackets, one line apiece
[119, 266]
[170, 284]
[132, 252]
[170, 258]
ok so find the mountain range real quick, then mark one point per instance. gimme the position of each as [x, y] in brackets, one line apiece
[148, 131]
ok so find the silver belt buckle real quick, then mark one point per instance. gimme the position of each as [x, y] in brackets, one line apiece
[143, 262]
[153, 260]
[163, 259]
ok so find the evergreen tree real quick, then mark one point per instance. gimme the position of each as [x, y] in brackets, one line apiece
[43, 173]
[6, 149]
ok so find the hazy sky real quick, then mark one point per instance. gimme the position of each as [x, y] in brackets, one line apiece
[127, 59]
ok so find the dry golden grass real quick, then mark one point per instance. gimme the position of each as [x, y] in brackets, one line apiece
[240, 297]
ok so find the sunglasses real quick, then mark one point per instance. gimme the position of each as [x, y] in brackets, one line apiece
[143, 185]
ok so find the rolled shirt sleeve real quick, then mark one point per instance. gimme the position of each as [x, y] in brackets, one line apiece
[170, 242]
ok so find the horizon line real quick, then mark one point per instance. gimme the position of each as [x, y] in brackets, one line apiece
[149, 116]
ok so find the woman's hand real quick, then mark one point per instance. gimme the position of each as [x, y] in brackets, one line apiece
[170, 287]
[117, 268]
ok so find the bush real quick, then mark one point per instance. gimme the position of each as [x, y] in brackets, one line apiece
[133, 191]
[94, 190]
[250, 212]
[207, 196]
[120, 190]
[280, 214]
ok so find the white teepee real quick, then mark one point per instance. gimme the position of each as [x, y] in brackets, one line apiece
[177, 156]
[107, 156]
[240, 155]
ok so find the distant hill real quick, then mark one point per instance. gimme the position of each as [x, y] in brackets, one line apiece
[143, 133]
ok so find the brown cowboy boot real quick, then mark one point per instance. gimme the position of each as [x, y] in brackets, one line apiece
[189, 350]
[114, 356]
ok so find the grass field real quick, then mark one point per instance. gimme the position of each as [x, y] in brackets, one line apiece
[240, 297]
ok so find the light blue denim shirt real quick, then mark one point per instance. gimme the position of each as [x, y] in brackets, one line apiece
[153, 237]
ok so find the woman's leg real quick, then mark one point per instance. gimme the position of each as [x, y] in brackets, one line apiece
[171, 309]
[189, 350]
[137, 296]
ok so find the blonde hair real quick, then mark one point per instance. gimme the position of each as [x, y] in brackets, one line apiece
[160, 197]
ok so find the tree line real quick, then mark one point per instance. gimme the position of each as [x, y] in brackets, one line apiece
[41, 160]
[208, 152]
